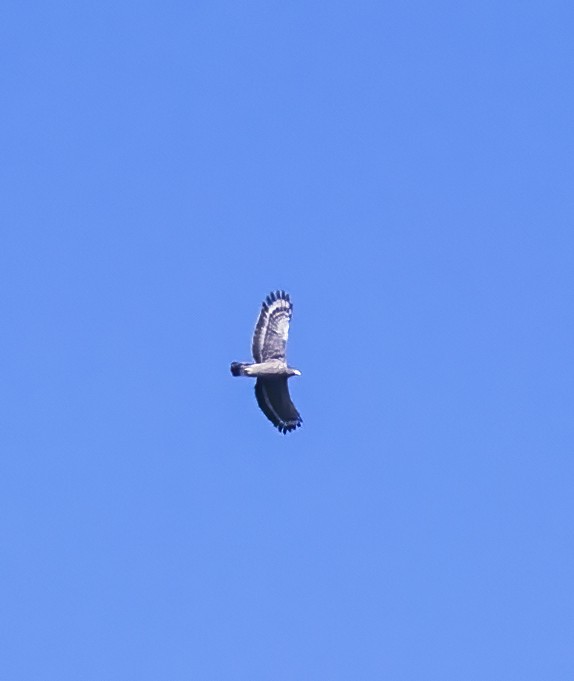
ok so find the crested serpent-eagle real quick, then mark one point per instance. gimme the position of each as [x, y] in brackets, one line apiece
[270, 366]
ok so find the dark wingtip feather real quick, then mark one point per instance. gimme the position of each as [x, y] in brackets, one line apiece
[289, 427]
[274, 296]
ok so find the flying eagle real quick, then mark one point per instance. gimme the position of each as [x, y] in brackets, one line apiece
[270, 367]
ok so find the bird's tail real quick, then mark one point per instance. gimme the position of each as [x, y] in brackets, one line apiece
[238, 368]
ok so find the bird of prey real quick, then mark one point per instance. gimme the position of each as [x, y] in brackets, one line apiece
[270, 366]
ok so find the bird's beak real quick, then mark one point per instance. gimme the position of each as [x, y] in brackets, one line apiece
[297, 372]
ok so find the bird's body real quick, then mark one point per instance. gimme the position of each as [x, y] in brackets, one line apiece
[273, 367]
[270, 366]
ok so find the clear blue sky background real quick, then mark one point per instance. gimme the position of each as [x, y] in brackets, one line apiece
[406, 172]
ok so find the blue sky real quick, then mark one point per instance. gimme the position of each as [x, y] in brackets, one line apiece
[405, 171]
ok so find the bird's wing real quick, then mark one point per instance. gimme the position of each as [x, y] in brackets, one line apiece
[274, 401]
[272, 328]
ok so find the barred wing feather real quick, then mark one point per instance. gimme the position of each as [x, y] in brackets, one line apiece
[275, 402]
[272, 328]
